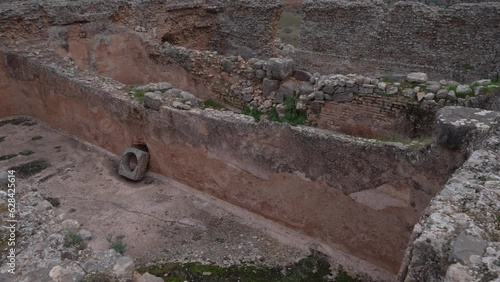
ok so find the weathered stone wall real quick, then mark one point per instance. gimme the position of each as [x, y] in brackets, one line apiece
[458, 236]
[242, 27]
[267, 168]
[247, 28]
[460, 42]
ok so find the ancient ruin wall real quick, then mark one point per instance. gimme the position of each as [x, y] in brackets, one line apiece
[247, 28]
[460, 41]
[267, 168]
[243, 27]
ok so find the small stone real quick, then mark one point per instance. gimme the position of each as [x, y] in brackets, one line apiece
[160, 86]
[382, 86]
[306, 88]
[464, 90]
[328, 97]
[124, 268]
[181, 106]
[430, 96]
[247, 90]
[67, 272]
[433, 88]
[139, 28]
[420, 96]
[442, 94]
[319, 96]
[267, 104]
[227, 65]
[260, 74]
[301, 106]
[153, 100]
[443, 82]
[392, 90]
[409, 93]
[70, 225]
[419, 77]
[452, 96]
[458, 273]
[85, 234]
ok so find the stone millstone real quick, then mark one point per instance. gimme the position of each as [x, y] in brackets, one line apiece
[141, 167]
[456, 124]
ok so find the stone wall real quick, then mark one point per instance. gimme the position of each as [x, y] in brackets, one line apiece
[281, 172]
[458, 236]
[459, 42]
[242, 27]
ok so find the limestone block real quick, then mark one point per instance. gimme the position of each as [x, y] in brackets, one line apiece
[138, 172]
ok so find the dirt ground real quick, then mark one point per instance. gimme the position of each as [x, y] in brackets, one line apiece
[160, 219]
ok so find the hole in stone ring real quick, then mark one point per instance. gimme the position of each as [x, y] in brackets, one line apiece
[132, 162]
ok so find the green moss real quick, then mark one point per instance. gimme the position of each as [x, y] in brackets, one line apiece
[291, 115]
[34, 138]
[311, 268]
[210, 103]
[73, 240]
[137, 93]
[31, 168]
[7, 157]
[387, 79]
[254, 112]
[15, 121]
[98, 277]
[26, 153]
[342, 276]
[406, 85]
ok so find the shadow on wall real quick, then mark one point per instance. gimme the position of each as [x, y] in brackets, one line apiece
[117, 53]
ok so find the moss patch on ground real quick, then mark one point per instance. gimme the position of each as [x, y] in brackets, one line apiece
[312, 268]
[31, 168]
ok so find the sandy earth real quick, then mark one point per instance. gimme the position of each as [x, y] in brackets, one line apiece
[160, 219]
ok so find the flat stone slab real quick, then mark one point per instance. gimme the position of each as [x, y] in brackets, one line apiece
[466, 246]
[455, 124]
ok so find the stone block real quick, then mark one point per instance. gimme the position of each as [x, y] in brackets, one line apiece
[136, 173]
[456, 124]
[154, 100]
[343, 97]
[279, 69]
[269, 86]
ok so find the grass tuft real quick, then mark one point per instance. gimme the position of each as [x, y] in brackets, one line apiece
[73, 240]
[117, 244]
[254, 112]
[292, 116]
[34, 138]
[210, 103]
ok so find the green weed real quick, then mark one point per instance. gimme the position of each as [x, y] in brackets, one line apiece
[292, 116]
[73, 240]
[117, 244]
[254, 112]
[210, 103]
